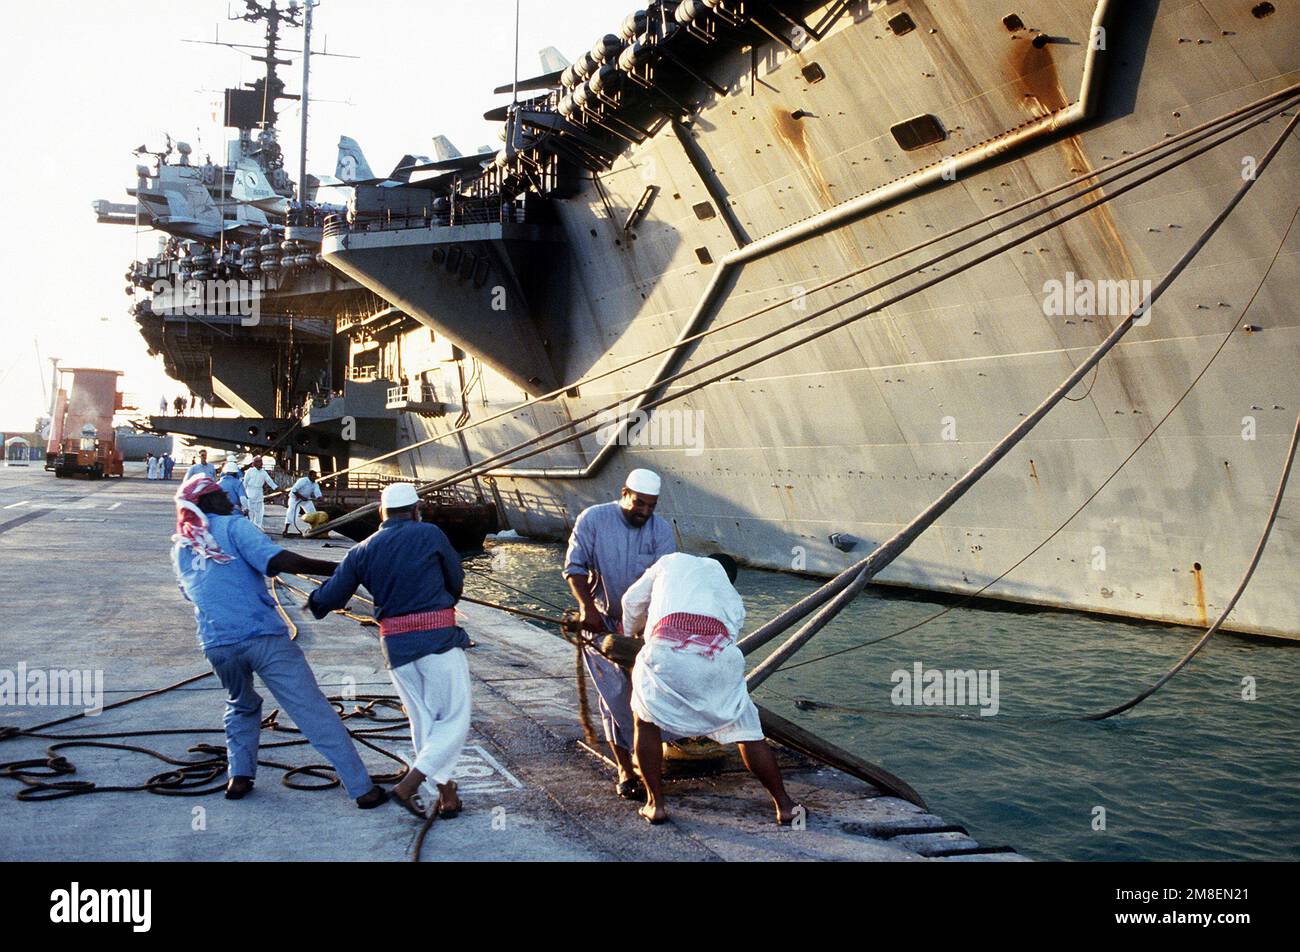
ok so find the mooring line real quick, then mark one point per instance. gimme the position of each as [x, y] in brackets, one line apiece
[966, 600]
[1232, 602]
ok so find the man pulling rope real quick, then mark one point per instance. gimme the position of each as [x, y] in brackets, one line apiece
[221, 563]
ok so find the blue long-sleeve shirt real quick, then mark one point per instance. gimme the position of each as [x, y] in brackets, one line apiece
[234, 487]
[231, 603]
[407, 567]
[612, 554]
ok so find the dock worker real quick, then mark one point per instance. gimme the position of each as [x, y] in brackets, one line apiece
[201, 468]
[233, 483]
[416, 579]
[221, 563]
[256, 481]
[151, 466]
[301, 506]
[612, 544]
[689, 679]
[168, 464]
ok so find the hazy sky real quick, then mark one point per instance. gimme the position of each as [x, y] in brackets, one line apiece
[87, 81]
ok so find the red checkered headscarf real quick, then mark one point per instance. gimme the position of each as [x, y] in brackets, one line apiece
[192, 522]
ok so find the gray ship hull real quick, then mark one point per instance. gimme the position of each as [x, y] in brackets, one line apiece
[853, 434]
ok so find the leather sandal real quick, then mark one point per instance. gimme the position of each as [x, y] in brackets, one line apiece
[414, 804]
[450, 813]
[630, 789]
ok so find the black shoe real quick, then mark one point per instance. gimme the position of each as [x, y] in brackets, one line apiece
[376, 797]
[239, 787]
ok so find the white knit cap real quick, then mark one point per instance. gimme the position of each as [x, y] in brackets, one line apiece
[643, 481]
[399, 496]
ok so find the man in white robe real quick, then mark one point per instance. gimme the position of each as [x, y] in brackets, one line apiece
[689, 679]
[302, 504]
[611, 545]
[256, 481]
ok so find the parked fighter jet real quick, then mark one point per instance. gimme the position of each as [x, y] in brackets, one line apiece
[249, 184]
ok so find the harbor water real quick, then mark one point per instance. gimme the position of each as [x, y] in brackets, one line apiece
[1206, 769]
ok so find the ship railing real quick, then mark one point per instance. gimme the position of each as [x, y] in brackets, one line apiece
[473, 211]
[334, 226]
[371, 485]
[414, 392]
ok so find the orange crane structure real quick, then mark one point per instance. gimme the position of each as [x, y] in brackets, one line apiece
[82, 439]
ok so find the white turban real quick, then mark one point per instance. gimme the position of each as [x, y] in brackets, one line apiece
[643, 481]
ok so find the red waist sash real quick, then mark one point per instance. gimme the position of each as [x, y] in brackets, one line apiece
[682, 630]
[418, 621]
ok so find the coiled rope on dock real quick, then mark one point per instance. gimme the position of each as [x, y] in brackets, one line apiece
[46, 778]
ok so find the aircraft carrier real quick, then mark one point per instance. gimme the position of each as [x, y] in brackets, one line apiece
[888, 230]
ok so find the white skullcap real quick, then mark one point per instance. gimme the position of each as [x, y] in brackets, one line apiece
[643, 481]
[230, 467]
[399, 496]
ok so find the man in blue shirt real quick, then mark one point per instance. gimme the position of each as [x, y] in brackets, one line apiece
[232, 483]
[611, 546]
[416, 579]
[221, 564]
[202, 467]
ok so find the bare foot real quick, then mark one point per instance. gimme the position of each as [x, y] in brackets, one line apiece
[653, 814]
[785, 816]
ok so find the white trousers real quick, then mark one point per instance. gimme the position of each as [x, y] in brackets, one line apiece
[256, 510]
[436, 693]
[298, 508]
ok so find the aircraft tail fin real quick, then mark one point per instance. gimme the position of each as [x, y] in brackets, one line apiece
[444, 149]
[552, 60]
[352, 165]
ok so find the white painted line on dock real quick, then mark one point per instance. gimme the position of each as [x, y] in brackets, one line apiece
[114, 506]
[17, 504]
[484, 777]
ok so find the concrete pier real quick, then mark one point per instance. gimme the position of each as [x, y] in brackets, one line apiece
[87, 586]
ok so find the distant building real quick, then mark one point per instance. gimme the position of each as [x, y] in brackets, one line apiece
[22, 447]
[135, 446]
